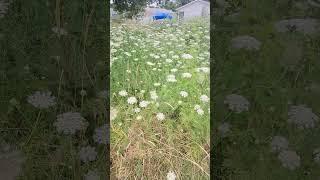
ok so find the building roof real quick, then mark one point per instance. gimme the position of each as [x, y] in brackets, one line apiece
[152, 11]
[192, 2]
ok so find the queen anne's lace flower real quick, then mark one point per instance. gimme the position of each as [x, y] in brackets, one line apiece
[279, 144]
[160, 116]
[87, 154]
[184, 94]
[101, 135]
[204, 98]
[70, 122]
[223, 129]
[144, 104]
[316, 155]
[289, 159]
[302, 116]
[123, 93]
[237, 103]
[186, 56]
[171, 78]
[186, 75]
[113, 113]
[245, 42]
[171, 175]
[132, 100]
[42, 100]
[59, 31]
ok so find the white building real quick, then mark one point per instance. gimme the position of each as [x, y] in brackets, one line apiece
[197, 8]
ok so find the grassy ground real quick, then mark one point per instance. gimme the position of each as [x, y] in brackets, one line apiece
[272, 78]
[142, 146]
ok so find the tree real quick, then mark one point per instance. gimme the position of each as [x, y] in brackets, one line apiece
[130, 7]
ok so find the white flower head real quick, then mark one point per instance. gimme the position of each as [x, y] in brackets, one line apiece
[137, 110]
[139, 117]
[132, 100]
[245, 42]
[101, 134]
[171, 175]
[41, 100]
[59, 31]
[70, 122]
[153, 95]
[289, 159]
[237, 103]
[184, 94]
[302, 116]
[223, 129]
[186, 75]
[316, 155]
[123, 93]
[200, 111]
[160, 116]
[157, 84]
[204, 98]
[279, 143]
[92, 175]
[144, 104]
[113, 113]
[171, 78]
[197, 106]
[87, 154]
[186, 56]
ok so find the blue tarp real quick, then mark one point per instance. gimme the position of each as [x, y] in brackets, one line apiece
[161, 15]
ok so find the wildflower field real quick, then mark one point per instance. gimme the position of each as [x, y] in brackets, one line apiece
[160, 100]
[53, 108]
[266, 90]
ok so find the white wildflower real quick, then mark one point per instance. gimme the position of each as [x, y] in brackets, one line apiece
[123, 93]
[171, 78]
[132, 100]
[144, 104]
[316, 155]
[113, 113]
[200, 111]
[174, 70]
[237, 103]
[184, 94]
[59, 31]
[137, 110]
[157, 84]
[289, 159]
[139, 117]
[186, 75]
[160, 116]
[101, 134]
[223, 129]
[153, 95]
[169, 61]
[70, 122]
[302, 116]
[196, 107]
[87, 154]
[41, 100]
[245, 42]
[204, 98]
[83, 92]
[186, 56]
[171, 175]
[279, 144]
